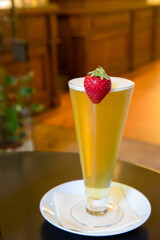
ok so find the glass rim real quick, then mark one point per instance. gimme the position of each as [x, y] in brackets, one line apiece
[78, 84]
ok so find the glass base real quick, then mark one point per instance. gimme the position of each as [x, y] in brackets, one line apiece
[111, 216]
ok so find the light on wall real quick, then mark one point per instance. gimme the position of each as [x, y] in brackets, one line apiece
[21, 3]
[153, 1]
[5, 4]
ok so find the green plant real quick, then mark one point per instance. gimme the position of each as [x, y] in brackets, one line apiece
[15, 106]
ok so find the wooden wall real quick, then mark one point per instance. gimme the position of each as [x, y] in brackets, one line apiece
[80, 35]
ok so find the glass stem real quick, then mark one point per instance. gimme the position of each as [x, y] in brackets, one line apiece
[96, 206]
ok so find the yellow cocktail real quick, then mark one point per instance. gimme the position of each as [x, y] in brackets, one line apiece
[99, 129]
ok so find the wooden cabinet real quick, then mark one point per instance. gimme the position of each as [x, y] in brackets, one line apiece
[142, 36]
[92, 35]
[38, 28]
[118, 35]
[156, 33]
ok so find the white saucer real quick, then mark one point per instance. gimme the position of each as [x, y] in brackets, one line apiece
[136, 200]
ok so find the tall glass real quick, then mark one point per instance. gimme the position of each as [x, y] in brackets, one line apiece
[99, 129]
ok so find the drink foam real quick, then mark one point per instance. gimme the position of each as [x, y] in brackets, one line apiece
[118, 84]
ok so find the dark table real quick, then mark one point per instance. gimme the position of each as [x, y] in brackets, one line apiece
[26, 177]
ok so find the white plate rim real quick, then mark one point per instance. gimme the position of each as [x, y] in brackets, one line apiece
[63, 186]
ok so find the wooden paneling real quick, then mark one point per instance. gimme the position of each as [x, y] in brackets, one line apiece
[6, 31]
[119, 36]
[92, 35]
[15, 68]
[142, 34]
[115, 51]
[34, 26]
[65, 45]
[39, 61]
[103, 48]
[156, 50]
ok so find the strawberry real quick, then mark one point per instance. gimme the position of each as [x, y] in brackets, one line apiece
[97, 85]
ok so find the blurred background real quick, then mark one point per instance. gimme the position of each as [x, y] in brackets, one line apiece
[62, 39]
